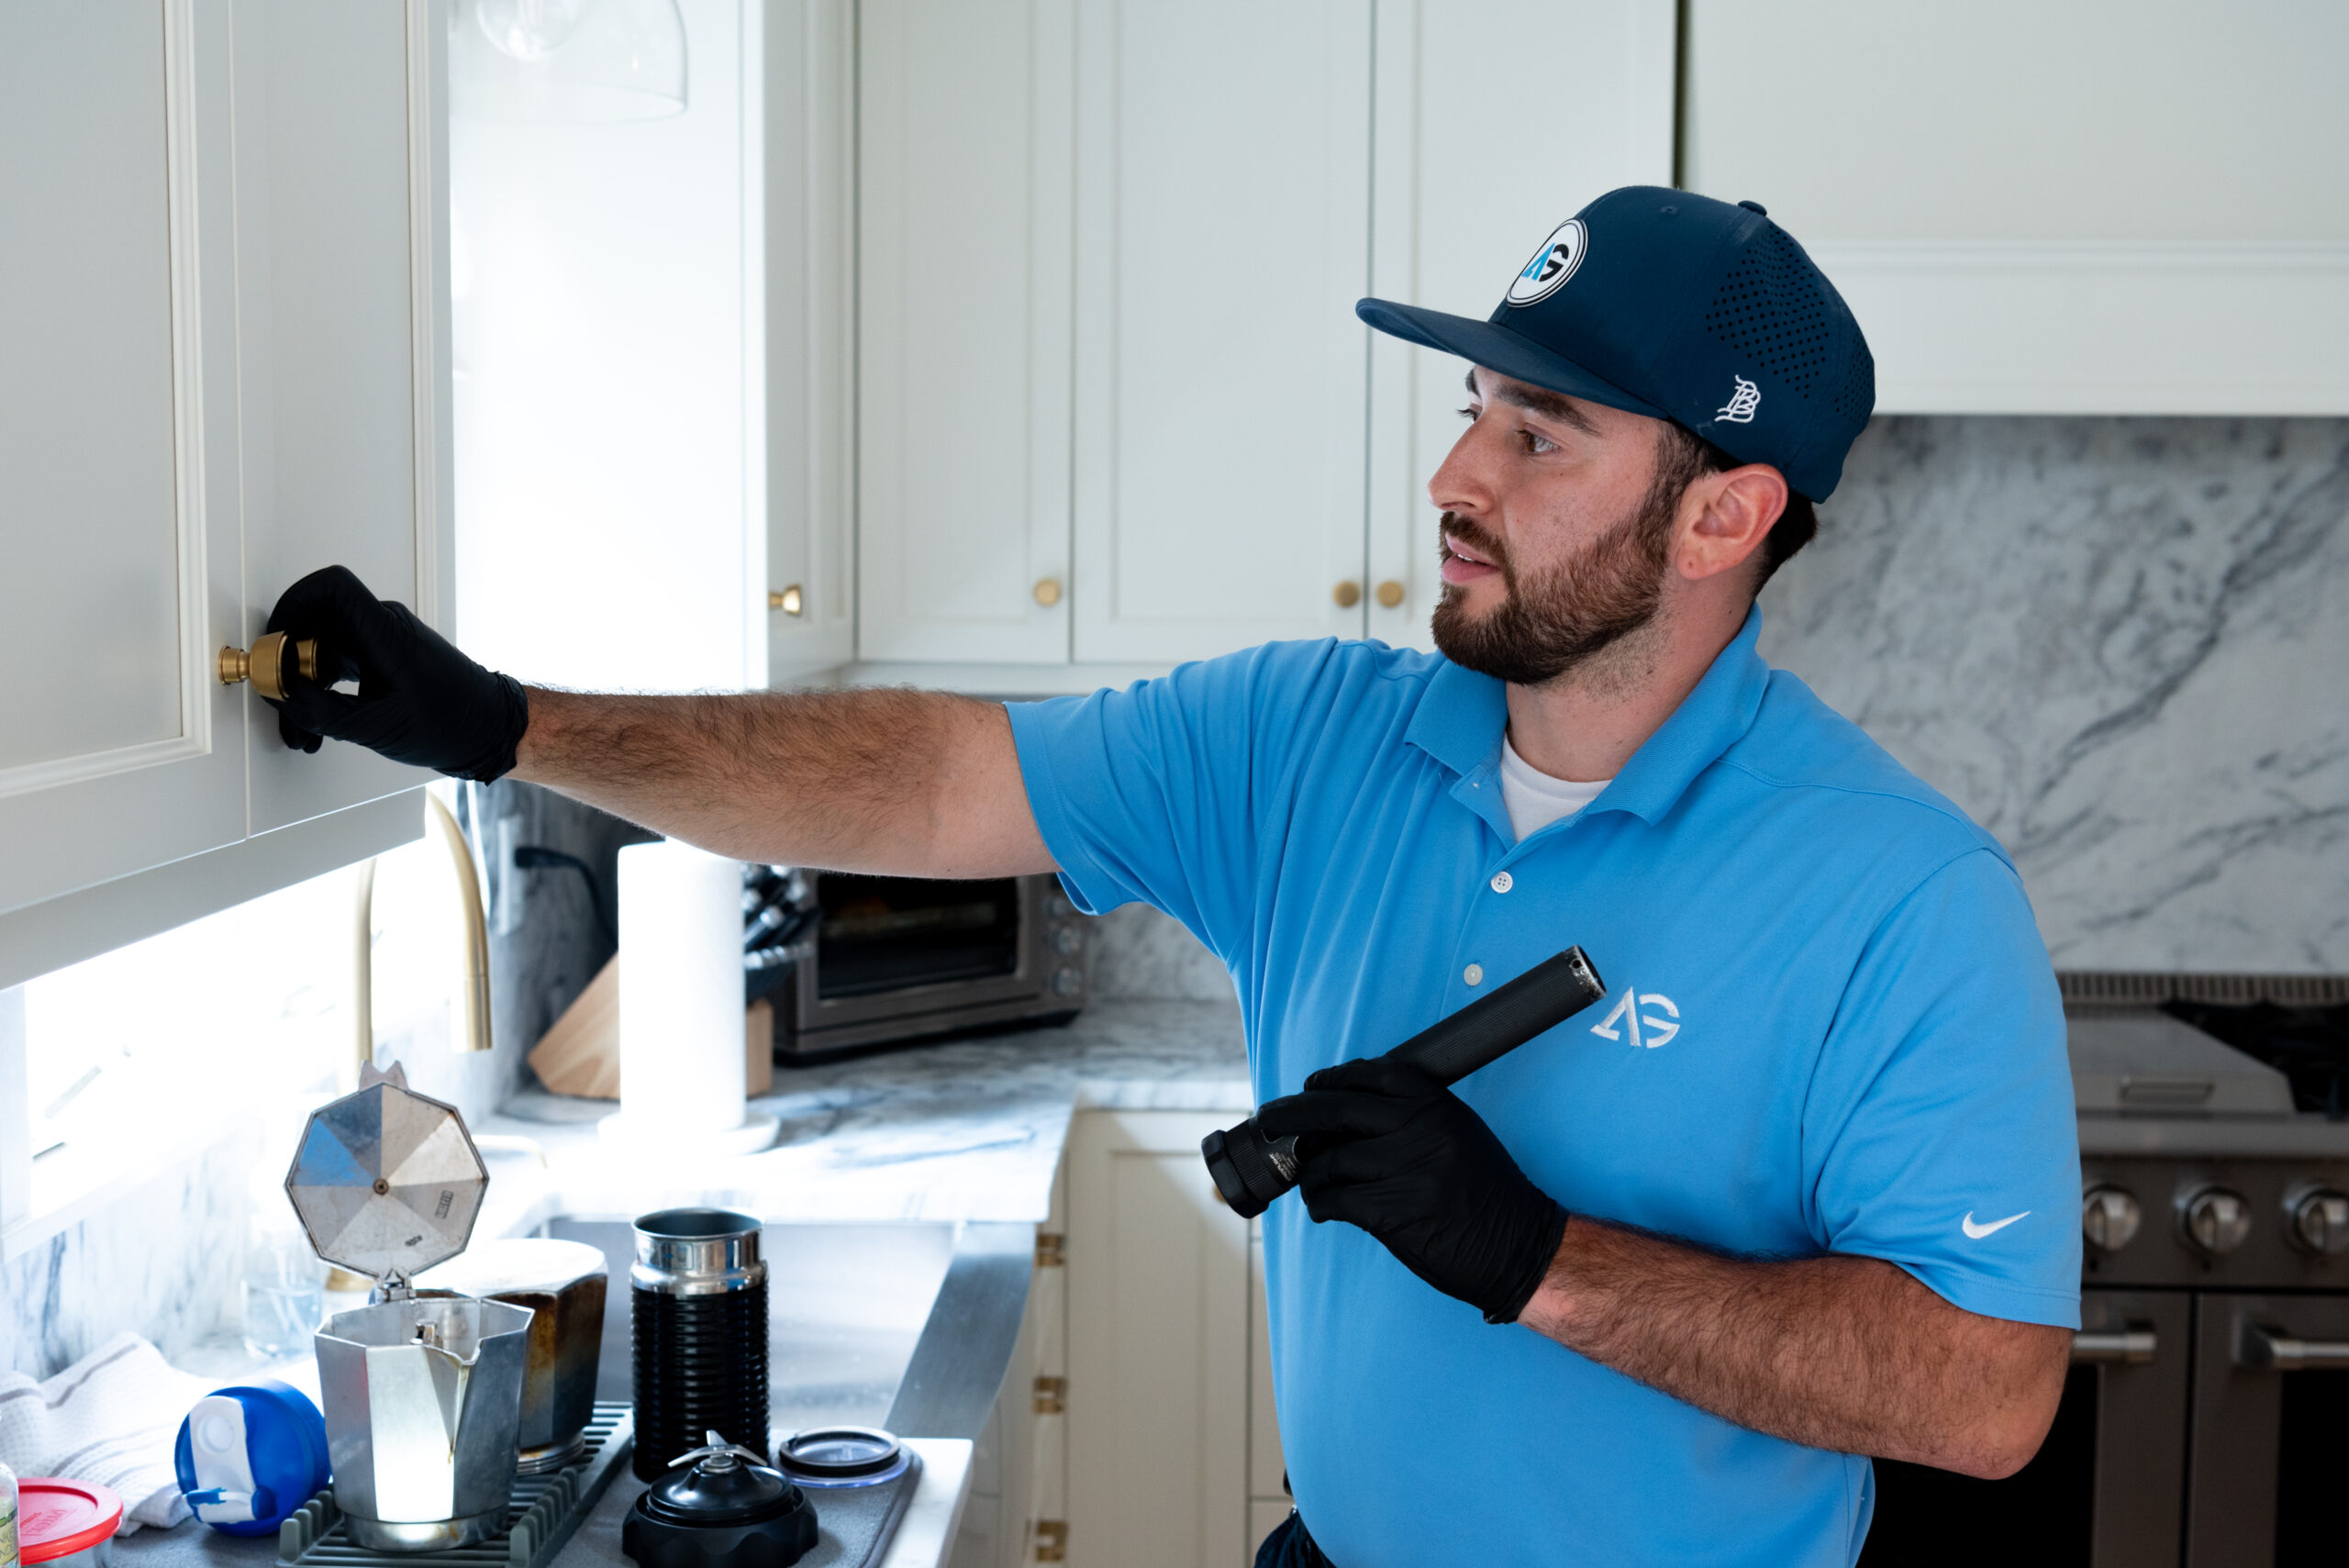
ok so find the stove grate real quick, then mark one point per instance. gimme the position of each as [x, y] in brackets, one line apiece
[2084, 988]
[542, 1515]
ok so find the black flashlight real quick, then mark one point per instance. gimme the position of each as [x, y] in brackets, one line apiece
[1252, 1170]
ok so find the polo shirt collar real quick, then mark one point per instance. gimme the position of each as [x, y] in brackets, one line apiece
[1463, 716]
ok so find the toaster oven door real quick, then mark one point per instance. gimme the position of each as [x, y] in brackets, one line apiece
[890, 947]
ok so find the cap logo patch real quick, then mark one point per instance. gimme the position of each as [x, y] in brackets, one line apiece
[1743, 400]
[1552, 266]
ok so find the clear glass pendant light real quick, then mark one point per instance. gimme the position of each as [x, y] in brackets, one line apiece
[566, 62]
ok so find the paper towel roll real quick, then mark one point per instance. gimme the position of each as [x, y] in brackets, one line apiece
[681, 1002]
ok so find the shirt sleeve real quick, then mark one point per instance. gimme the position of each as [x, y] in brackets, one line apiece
[1939, 1131]
[1161, 793]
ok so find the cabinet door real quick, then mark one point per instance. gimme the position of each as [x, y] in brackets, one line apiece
[964, 321]
[808, 125]
[119, 471]
[341, 180]
[1479, 156]
[1157, 1348]
[1223, 188]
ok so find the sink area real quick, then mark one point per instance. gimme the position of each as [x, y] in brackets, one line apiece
[904, 1326]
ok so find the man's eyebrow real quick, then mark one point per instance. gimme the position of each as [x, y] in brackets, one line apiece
[1541, 400]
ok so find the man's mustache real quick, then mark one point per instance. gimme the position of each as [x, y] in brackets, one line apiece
[1476, 538]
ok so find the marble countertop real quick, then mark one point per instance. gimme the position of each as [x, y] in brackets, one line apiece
[970, 1130]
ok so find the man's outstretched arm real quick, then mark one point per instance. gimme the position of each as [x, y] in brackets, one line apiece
[908, 783]
[895, 782]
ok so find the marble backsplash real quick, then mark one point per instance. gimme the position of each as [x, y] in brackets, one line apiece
[2123, 646]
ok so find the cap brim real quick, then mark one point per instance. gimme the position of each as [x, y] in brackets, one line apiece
[1497, 348]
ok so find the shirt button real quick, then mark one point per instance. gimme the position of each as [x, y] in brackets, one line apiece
[1503, 882]
[1474, 974]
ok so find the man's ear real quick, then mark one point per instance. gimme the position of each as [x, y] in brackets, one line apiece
[1724, 519]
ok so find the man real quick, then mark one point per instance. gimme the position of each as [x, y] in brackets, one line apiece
[1800, 1189]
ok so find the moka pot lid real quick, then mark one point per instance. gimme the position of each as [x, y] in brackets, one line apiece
[387, 1181]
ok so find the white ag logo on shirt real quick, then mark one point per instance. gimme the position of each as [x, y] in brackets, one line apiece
[1552, 266]
[1651, 1016]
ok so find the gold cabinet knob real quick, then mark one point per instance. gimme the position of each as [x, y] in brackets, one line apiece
[1348, 593]
[264, 664]
[1048, 591]
[790, 601]
[1390, 593]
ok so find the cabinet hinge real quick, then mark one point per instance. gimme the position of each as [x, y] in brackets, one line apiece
[1051, 1541]
[1052, 1250]
[1051, 1396]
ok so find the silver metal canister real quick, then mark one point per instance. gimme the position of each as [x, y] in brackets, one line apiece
[699, 1303]
[423, 1402]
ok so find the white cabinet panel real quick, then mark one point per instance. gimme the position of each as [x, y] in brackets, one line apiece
[338, 250]
[1223, 186]
[806, 169]
[1480, 154]
[1157, 1348]
[963, 306]
[220, 363]
[2112, 206]
[118, 455]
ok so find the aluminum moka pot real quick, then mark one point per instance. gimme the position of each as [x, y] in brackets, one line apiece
[424, 1410]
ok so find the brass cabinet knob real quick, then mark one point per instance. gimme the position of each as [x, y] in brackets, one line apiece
[1391, 593]
[264, 665]
[1348, 593]
[790, 601]
[1048, 591]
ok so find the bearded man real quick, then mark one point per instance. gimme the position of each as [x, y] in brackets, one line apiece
[1798, 1191]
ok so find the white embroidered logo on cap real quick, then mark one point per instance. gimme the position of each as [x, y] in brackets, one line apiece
[1552, 266]
[1742, 402]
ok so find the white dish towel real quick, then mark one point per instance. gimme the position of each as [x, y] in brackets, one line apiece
[110, 1418]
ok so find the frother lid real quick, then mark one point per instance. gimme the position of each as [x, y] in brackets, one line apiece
[387, 1181]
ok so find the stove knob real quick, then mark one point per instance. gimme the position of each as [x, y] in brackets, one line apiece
[2317, 1220]
[2215, 1220]
[2110, 1218]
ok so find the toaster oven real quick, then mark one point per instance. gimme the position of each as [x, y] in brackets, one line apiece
[876, 961]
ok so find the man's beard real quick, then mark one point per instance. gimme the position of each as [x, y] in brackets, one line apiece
[1548, 623]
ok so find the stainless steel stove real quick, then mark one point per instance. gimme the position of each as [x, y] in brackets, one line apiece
[2206, 1421]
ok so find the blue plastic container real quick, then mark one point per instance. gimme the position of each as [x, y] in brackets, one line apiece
[251, 1454]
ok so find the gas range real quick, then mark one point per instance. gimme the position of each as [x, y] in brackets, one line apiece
[2206, 1419]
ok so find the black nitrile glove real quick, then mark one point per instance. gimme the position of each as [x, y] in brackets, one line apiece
[419, 701]
[1385, 1145]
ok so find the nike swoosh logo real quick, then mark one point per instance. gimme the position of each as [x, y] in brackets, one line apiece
[1976, 1232]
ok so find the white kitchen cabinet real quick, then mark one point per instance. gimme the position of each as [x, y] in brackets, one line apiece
[1111, 252]
[222, 362]
[963, 351]
[2114, 206]
[1158, 1348]
[1223, 193]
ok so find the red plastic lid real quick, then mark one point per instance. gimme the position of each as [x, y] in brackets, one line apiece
[56, 1517]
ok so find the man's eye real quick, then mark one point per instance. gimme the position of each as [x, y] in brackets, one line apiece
[1536, 445]
[1468, 413]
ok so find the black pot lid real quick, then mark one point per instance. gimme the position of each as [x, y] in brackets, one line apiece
[841, 1455]
[721, 1484]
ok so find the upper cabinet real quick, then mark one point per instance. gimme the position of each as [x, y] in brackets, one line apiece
[1115, 408]
[222, 364]
[2120, 207]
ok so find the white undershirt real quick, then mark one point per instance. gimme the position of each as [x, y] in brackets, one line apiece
[1535, 799]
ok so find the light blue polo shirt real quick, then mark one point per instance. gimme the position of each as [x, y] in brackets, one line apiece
[1831, 1027]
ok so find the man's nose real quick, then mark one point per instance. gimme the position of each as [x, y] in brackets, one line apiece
[1463, 482]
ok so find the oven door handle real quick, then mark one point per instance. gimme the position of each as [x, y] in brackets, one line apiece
[2270, 1348]
[2132, 1345]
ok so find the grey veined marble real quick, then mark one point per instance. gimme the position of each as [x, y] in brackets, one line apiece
[2123, 646]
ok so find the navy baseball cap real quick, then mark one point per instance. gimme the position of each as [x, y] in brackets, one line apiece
[1679, 307]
